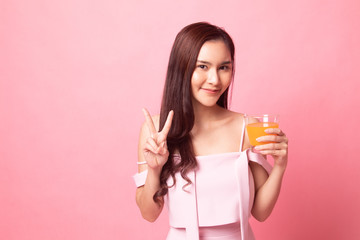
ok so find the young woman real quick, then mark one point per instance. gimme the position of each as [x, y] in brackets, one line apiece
[195, 156]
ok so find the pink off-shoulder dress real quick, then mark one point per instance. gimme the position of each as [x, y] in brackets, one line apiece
[217, 205]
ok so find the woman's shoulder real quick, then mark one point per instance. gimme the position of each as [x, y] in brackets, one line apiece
[233, 115]
[232, 120]
[240, 117]
[233, 129]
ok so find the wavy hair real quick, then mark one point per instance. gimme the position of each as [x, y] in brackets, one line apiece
[177, 96]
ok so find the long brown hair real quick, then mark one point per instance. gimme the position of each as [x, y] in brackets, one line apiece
[177, 97]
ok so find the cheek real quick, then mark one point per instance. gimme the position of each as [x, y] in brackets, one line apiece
[193, 83]
[195, 80]
[227, 80]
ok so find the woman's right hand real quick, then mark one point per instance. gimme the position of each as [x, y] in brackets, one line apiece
[155, 149]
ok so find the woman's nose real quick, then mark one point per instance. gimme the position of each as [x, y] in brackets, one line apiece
[213, 77]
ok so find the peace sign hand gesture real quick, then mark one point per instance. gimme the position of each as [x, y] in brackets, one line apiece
[155, 149]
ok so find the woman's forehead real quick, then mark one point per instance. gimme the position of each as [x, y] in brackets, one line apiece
[214, 51]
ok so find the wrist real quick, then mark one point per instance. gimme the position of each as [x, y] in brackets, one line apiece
[280, 169]
[154, 171]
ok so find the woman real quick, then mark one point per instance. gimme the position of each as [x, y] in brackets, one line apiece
[195, 155]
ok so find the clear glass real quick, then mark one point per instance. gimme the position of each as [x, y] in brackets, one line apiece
[256, 125]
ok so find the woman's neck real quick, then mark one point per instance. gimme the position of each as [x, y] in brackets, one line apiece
[206, 116]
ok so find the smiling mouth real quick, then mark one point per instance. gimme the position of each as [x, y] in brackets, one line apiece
[210, 90]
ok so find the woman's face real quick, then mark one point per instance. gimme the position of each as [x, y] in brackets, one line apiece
[212, 74]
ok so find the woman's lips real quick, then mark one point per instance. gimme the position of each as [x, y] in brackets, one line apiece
[208, 90]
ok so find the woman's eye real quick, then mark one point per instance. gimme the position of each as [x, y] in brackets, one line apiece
[202, 66]
[224, 67]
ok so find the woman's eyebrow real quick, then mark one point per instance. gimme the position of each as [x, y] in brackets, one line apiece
[202, 61]
[206, 62]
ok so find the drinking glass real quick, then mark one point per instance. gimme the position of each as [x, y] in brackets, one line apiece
[256, 125]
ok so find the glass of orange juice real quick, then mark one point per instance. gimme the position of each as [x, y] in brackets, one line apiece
[256, 125]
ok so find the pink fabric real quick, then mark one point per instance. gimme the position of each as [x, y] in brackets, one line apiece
[215, 181]
[210, 199]
[216, 184]
[140, 178]
[223, 232]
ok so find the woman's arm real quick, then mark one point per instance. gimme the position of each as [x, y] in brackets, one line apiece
[153, 150]
[267, 188]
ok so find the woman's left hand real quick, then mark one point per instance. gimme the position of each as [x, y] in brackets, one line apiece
[277, 148]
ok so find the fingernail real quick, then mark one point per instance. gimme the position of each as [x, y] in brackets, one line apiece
[258, 139]
[267, 130]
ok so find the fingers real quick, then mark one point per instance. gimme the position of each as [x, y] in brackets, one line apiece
[276, 135]
[158, 139]
[276, 131]
[152, 146]
[272, 146]
[149, 122]
[275, 144]
[278, 153]
[272, 139]
[164, 132]
[274, 149]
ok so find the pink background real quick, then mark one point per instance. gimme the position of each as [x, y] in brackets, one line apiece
[74, 76]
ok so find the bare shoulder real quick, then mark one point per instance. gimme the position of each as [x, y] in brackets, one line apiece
[229, 114]
[239, 119]
[235, 117]
[233, 125]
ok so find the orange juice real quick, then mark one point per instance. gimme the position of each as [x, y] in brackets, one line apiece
[257, 129]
